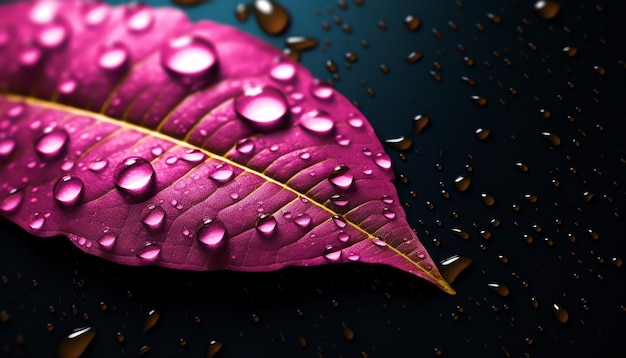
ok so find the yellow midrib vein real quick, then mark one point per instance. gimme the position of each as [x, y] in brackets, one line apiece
[130, 126]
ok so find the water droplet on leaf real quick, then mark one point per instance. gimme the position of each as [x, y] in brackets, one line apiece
[319, 122]
[135, 176]
[52, 143]
[266, 225]
[342, 177]
[68, 190]
[149, 252]
[155, 218]
[263, 107]
[212, 232]
[189, 56]
[222, 173]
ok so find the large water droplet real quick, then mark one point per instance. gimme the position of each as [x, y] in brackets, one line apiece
[68, 190]
[75, 343]
[264, 107]
[139, 18]
[7, 146]
[114, 58]
[266, 225]
[303, 220]
[43, 12]
[52, 143]
[135, 176]
[189, 56]
[271, 16]
[547, 9]
[317, 122]
[212, 232]
[96, 14]
[453, 266]
[560, 313]
[283, 72]
[149, 252]
[342, 177]
[12, 202]
[222, 173]
[53, 35]
[108, 240]
[193, 156]
[155, 218]
[462, 183]
[383, 160]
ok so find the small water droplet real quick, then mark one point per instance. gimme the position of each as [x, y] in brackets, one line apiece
[53, 35]
[462, 183]
[319, 122]
[482, 134]
[68, 190]
[73, 345]
[322, 92]
[283, 72]
[383, 160]
[387, 213]
[342, 177]
[213, 348]
[400, 143]
[135, 176]
[339, 221]
[7, 146]
[149, 252]
[343, 237]
[12, 202]
[412, 23]
[114, 58]
[499, 289]
[193, 156]
[96, 14]
[29, 56]
[479, 100]
[560, 313]
[212, 232]
[139, 17]
[347, 332]
[488, 199]
[107, 240]
[303, 220]
[150, 320]
[300, 43]
[245, 146]
[552, 138]
[378, 242]
[36, 221]
[189, 56]
[264, 107]
[222, 173]
[242, 12]
[67, 86]
[339, 200]
[547, 9]
[52, 143]
[155, 217]
[453, 266]
[332, 255]
[266, 225]
[271, 16]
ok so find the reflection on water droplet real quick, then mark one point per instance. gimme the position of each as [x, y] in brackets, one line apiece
[263, 107]
[482, 134]
[139, 17]
[189, 56]
[347, 332]
[36, 221]
[283, 72]
[383, 160]
[53, 35]
[488, 199]
[412, 23]
[303, 220]
[96, 14]
[339, 221]
[67, 86]
[300, 43]
[548, 9]
[460, 233]
[319, 122]
[481, 101]
[242, 12]
[266, 225]
[222, 173]
[271, 16]
[107, 240]
[462, 183]
[149, 252]
[343, 237]
[245, 146]
[43, 12]
[341, 177]
[114, 58]
[193, 156]
[331, 255]
[52, 143]
[68, 190]
[342, 140]
[98, 165]
[29, 56]
[322, 92]
[212, 232]
[378, 242]
[155, 218]
[73, 345]
[12, 201]
[560, 313]
[7, 146]
[150, 320]
[453, 266]
[213, 348]
[387, 213]
[552, 138]
[135, 176]
[499, 289]
[400, 143]
[339, 200]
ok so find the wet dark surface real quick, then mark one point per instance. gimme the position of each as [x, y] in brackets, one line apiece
[565, 248]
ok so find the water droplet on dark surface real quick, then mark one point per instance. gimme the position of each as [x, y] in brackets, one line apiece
[487, 199]
[271, 16]
[462, 183]
[52, 143]
[552, 138]
[264, 107]
[189, 56]
[135, 176]
[499, 289]
[212, 232]
[560, 313]
[414, 56]
[451, 267]
[400, 143]
[213, 348]
[68, 190]
[300, 43]
[412, 23]
[150, 320]
[348, 333]
[74, 344]
[547, 9]
[242, 12]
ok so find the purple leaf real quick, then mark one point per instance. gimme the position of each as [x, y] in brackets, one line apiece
[148, 139]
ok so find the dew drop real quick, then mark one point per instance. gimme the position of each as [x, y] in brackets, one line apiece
[16, 110]
[75, 343]
[52, 143]
[139, 18]
[453, 266]
[67, 86]
[245, 146]
[460, 233]
[462, 183]
[319, 122]
[114, 58]
[222, 173]
[378, 242]
[499, 289]
[305, 156]
[155, 217]
[264, 107]
[271, 16]
[12, 202]
[68, 190]
[412, 23]
[303, 220]
[383, 160]
[322, 92]
[420, 123]
[149, 252]
[387, 213]
[547, 9]
[266, 225]
[7, 146]
[332, 255]
[400, 143]
[342, 140]
[479, 100]
[300, 43]
[339, 200]
[342, 177]
[560, 313]
[193, 156]
[151, 319]
[343, 237]
[339, 221]
[107, 240]
[29, 56]
[135, 176]
[242, 12]
[44, 12]
[213, 348]
[283, 72]
[96, 15]
[189, 56]
[212, 232]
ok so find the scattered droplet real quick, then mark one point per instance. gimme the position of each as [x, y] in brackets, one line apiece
[347, 332]
[499, 289]
[339, 200]
[189, 56]
[114, 58]
[414, 56]
[135, 176]
[479, 100]
[7, 146]
[283, 72]
[266, 225]
[303, 220]
[264, 107]
[382, 160]
[412, 23]
[300, 43]
[75, 343]
[453, 266]
[332, 255]
[488, 199]
[387, 213]
[271, 16]
[52, 143]
[222, 173]
[149, 252]
[212, 232]
[547, 9]
[36, 221]
[482, 134]
[331, 66]
[193, 156]
[155, 218]
[107, 240]
[30, 56]
[342, 177]
[462, 183]
[245, 146]
[560, 313]
[53, 35]
[319, 122]
[552, 138]
[150, 320]
[400, 143]
[339, 221]
[68, 190]
[213, 348]
[322, 92]
[12, 202]
[420, 123]
[139, 18]
[97, 14]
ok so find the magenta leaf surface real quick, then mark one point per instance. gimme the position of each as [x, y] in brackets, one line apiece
[151, 140]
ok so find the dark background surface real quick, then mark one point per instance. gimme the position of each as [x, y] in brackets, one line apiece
[49, 288]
